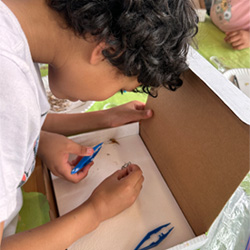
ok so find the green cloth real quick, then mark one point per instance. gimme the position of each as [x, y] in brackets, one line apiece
[119, 99]
[245, 184]
[210, 42]
[34, 212]
[43, 69]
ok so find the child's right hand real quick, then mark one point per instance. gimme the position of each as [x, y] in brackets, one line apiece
[239, 39]
[117, 192]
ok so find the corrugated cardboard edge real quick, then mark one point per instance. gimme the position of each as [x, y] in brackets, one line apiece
[200, 147]
[235, 99]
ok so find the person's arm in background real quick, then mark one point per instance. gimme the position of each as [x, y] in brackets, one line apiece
[112, 196]
[70, 124]
[239, 39]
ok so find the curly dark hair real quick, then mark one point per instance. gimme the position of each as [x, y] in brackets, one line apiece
[146, 38]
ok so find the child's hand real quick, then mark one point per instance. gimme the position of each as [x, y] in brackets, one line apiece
[117, 192]
[129, 112]
[238, 39]
[54, 150]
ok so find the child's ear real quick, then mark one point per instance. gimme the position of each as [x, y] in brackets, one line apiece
[96, 55]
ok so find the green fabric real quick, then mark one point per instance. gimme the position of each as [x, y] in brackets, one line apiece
[245, 184]
[35, 211]
[43, 70]
[119, 99]
[210, 42]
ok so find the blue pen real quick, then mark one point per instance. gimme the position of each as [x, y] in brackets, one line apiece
[87, 159]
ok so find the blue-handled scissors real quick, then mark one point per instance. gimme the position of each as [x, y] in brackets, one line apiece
[86, 159]
[161, 236]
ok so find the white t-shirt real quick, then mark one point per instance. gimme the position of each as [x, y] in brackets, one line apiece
[23, 108]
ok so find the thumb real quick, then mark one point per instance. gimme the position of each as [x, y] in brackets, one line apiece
[145, 114]
[77, 149]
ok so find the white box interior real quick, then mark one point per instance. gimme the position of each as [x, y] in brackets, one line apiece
[155, 205]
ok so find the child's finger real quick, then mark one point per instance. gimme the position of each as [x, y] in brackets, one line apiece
[138, 114]
[77, 177]
[75, 161]
[232, 39]
[77, 149]
[233, 33]
[237, 43]
[134, 173]
[139, 105]
[122, 173]
[138, 185]
[139, 109]
[240, 47]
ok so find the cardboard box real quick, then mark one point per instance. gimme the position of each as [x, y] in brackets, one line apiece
[194, 153]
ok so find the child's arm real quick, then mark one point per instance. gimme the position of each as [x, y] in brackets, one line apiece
[69, 124]
[57, 234]
[239, 39]
[112, 196]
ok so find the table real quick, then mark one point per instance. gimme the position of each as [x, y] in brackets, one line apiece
[210, 42]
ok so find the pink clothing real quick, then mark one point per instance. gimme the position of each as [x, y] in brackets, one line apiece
[231, 15]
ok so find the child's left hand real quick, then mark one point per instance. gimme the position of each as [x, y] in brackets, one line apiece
[54, 150]
[239, 39]
[127, 113]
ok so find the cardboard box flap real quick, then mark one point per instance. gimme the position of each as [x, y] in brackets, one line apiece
[200, 147]
[234, 98]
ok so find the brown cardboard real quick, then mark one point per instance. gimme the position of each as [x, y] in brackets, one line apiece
[200, 147]
[50, 195]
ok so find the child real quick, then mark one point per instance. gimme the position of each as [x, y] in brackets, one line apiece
[233, 18]
[94, 49]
